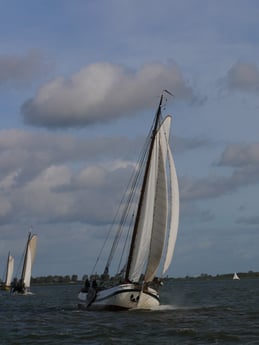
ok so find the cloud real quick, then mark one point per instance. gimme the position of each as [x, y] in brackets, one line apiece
[60, 194]
[23, 155]
[5, 208]
[101, 92]
[240, 155]
[192, 213]
[55, 177]
[45, 177]
[51, 178]
[243, 77]
[244, 159]
[185, 144]
[216, 186]
[17, 71]
[204, 188]
[249, 220]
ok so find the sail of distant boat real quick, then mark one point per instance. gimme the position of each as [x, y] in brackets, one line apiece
[8, 272]
[235, 276]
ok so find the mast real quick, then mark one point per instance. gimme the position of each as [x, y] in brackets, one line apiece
[25, 257]
[135, 230]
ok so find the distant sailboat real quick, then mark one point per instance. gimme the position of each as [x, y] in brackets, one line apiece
[8, 273]
[153, 231]
[23, 285]
[235, 276]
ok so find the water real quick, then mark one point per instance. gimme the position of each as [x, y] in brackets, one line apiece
[192, 312]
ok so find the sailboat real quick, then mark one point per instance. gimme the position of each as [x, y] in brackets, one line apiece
[8, 272]
[23, 285]
[153, 234]
[235, 276]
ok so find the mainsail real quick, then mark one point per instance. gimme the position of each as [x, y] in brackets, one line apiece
[9, 270]
[151, 236]
[29, 260]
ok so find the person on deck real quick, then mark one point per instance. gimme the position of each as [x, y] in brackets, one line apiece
[86, 286]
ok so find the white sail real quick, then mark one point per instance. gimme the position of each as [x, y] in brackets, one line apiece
[33, 245]
[153, 218]
[9, 270]
[29, 259]
[174, 213]
[141, 248]
[161, 204]
[235, 276]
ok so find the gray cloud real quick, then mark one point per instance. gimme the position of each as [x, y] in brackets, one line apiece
[101, 92]
[23, 155]
[243, 76]
[185, 144]
[191, 213]
[50, 178]
[240, 155]
[53, 177]
[18, 70]
[216, 186]
[244, 159]
[249, 220]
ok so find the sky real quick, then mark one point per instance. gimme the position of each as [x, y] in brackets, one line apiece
[79, 85]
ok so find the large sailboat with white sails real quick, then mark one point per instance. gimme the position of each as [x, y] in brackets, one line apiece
[150, 217]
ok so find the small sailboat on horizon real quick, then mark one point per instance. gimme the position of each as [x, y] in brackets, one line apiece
[22, 286]
[8, 273]
[235, 276]
[151, 216]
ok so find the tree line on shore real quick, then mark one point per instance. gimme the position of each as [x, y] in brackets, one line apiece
[57, 279]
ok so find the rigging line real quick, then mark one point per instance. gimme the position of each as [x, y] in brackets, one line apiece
[125, 242]
[133, 182]
[20, 263]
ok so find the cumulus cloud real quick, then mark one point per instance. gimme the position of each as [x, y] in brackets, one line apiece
[23, 155]
[101, 92]
[45, 177]
[56, 177]
[243, 76]
[18, 70]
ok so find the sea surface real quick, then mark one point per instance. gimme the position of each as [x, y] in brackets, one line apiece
[192, 312]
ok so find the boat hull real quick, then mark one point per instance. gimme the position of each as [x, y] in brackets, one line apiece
[121, 297]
